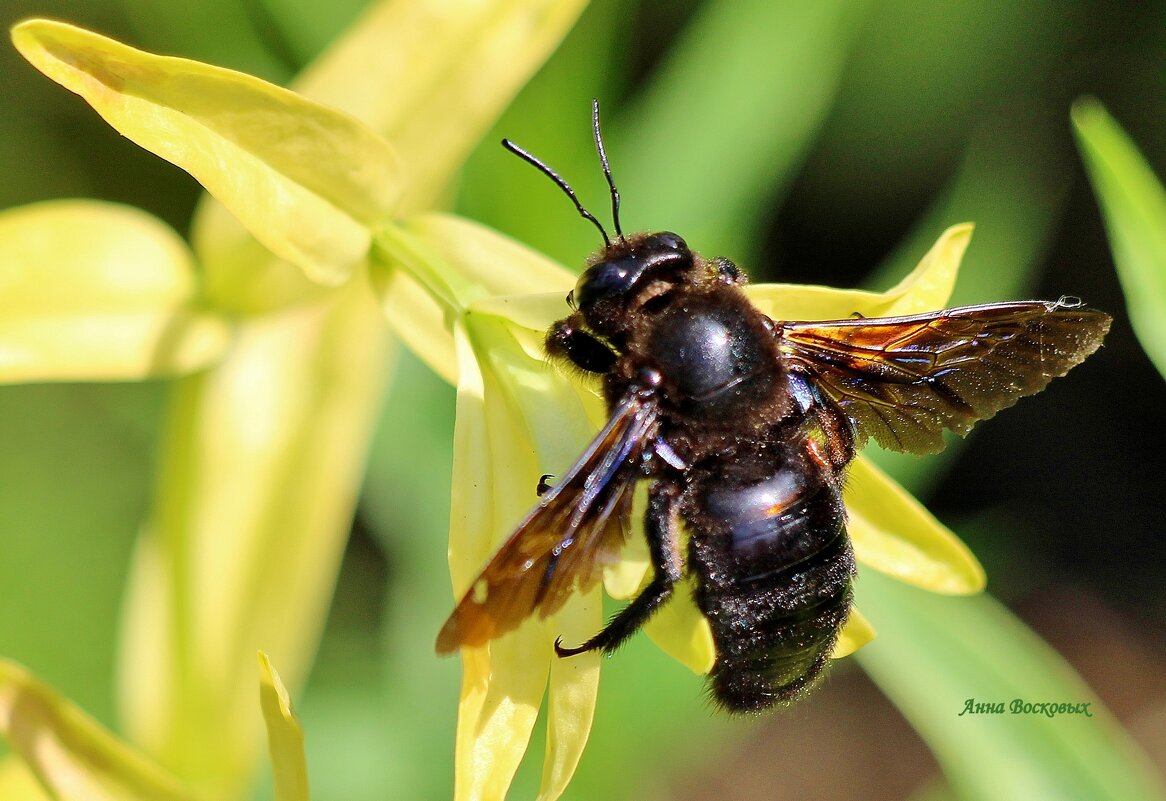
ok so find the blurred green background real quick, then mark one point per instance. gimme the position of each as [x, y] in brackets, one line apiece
[826, 143]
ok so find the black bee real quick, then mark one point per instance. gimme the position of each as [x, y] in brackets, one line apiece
[744, 426]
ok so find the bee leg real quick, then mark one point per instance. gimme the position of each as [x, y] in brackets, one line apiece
[839, 433]
[568, 340]
[543, 487]
[661, 530]
[836, 426]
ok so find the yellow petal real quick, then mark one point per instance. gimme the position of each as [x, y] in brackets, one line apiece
[625, 578]
[307, 181]
[683, 632]
[503, 682]
[98, 291]
[285, 738]
[18, 781]
[516, 418]
[72, 754]
[678, 628]
[930, 284]
[499, 264]
[433, 77]
[892, 532]
[856, 633]
[926, 288]
[574, 685]
[502, 689]
[240, 275]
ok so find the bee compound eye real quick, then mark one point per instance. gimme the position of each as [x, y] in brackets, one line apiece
[605, 280]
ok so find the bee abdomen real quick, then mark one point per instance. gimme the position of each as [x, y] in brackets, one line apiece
[773, 642]
[774, 568]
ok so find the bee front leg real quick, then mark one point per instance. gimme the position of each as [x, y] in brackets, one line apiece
[661, 530]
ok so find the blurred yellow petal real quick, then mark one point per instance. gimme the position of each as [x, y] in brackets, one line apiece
[262, 463]
[856, 633]
[307, 181]
[285, 738]
[894, 533]
[98, 291]
[432, 78]
[72, 754]
[240, 275]
[18, 781]
[925, 288]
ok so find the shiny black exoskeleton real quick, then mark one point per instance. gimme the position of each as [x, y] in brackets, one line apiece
[735, 456]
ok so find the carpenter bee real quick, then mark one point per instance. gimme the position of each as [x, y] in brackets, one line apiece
[743, 428]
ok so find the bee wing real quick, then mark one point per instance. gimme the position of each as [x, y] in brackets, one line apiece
[902, 380]
[564, 541]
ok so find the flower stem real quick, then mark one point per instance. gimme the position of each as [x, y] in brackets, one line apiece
[396, 248]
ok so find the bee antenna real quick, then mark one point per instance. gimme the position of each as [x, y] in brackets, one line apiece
[606, 166]
[558, 179]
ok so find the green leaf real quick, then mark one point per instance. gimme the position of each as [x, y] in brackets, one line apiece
[73, 755]
[933, 654]
[1133, 204]
[306, 180]
[97, 291]
[285, 738]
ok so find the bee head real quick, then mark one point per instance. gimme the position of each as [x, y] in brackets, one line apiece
[626, 273]
[630, 270]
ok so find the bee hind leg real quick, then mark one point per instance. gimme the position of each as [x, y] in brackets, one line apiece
[661, 531]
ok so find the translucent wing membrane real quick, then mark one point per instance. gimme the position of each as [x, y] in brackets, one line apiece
[563, 543]
[904, 379]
